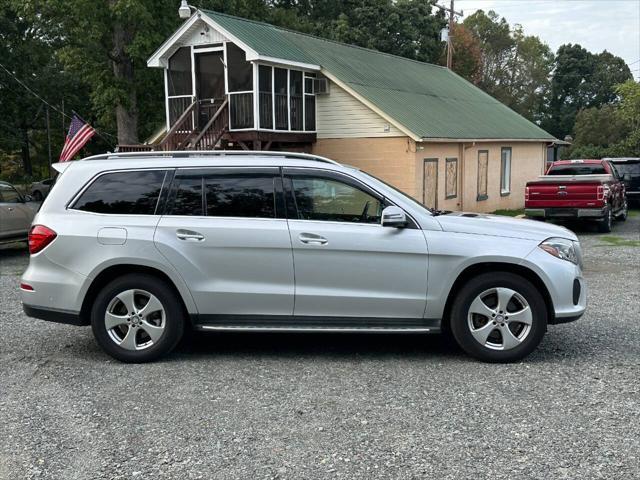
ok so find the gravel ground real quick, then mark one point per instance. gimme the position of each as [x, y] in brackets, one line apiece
[257, 406]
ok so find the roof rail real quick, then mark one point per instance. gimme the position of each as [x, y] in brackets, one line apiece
[210, 153]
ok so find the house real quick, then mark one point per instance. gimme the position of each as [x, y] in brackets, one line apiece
[237, 83]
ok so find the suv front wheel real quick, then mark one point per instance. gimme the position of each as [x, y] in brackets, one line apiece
[498, 317]
[137, 318]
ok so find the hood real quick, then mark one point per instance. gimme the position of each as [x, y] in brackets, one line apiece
[500, 226]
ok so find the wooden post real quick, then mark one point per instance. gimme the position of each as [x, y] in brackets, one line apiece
[49, 141]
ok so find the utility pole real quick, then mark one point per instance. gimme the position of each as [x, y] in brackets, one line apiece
[49, 140]
[452, 14]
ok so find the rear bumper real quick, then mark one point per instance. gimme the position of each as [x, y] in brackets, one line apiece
[54, 315]
[586, 213]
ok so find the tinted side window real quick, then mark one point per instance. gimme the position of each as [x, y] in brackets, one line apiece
[123, 193]
[188, 196]
[248, 195]
[332, 200]
[240, 196]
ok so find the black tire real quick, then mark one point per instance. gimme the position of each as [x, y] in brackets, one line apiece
[459, 322]
[606, 224]
[622, 216]
[173, 323]
[37, 196]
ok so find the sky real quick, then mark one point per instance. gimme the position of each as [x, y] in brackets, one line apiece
[597, 25]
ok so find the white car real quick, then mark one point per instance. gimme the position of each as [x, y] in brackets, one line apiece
[142, 246]
[15, 214]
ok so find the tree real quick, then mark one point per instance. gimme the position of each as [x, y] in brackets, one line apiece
[106, 44]
[514, 67]
[612, 130]
[467, 54]
[27, 51]
[581, 80]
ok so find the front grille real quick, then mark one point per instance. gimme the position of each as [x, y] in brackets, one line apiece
[576, 291]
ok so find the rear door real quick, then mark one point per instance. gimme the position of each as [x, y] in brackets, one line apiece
[225, 231]
[346, 263]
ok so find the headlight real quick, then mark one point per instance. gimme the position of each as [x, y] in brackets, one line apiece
[561, 248]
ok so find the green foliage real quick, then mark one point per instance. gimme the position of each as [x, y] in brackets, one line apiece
[611, 130]
[515, 68]
[581, 80]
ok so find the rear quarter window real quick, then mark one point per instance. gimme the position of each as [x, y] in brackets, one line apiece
[123, 193]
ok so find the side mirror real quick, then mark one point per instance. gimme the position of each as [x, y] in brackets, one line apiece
[393, 216]
[626, 177]
[28, 198]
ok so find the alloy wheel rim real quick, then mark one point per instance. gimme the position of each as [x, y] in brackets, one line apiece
[500, 318]
[135, 319]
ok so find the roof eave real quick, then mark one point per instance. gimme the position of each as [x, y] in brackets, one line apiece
[489, 140]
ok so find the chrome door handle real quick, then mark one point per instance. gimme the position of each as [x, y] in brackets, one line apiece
[312, 239]
[189, 235]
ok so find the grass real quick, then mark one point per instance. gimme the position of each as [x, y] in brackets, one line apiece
[634, 213]
[509, 213]
[613, 241]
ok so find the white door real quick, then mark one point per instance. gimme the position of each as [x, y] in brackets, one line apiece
[226, 233]
[346, 263]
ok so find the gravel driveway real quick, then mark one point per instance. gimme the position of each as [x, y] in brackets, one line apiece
[257, 406]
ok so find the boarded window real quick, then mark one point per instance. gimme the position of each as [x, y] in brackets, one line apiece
[239, 71]
[451, 178]
[483, 169]
[505, 171]
[179, 73]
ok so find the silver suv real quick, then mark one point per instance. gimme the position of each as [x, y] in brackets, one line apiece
[142, 246]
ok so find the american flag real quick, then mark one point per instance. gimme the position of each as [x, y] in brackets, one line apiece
[79, 134]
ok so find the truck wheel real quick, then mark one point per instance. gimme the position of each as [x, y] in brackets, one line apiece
[137, 318]
[622, 216]
[605, 225]
[498, 317]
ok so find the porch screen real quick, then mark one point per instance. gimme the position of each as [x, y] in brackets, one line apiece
[295, 99]
[281, 91]
[239, 71]
[265, 96]
[179, 73]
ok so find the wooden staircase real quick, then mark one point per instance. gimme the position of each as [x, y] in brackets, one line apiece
[185, 135]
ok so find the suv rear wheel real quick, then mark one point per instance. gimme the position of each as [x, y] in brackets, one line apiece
[498, 317]
[137, 318]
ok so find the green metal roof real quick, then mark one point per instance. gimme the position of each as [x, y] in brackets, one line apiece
[428, 100]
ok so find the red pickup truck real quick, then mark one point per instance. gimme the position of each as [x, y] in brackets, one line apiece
[578, 189]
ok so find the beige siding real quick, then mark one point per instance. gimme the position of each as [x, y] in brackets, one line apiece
[339, 115]
[391, 159]
[399, 162]
[527, 162]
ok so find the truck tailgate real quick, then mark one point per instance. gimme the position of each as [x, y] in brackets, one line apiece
[568, 192]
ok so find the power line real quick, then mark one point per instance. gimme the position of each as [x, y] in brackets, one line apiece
[35, 94]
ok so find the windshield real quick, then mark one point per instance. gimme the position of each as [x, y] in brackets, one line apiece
[632, 168]
[578, 169]
[400, 192]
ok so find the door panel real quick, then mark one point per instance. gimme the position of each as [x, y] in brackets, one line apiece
[430, 183]
[359, 270]
[224, 230]
[346, 263]
[242, 266]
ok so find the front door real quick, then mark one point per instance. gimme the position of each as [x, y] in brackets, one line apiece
[226, 233]
[346, 263]
[430, 183]
[209, 83]
[15, 216]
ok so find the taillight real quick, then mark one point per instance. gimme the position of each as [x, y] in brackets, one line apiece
[39, 237]
[600, 193]
[526, 193]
